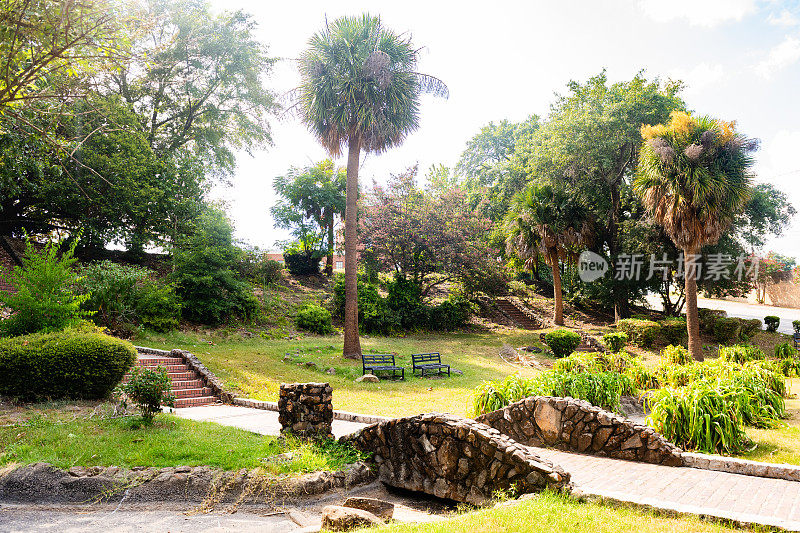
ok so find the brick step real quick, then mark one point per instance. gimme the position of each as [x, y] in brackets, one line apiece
[174, 376]
[170, 368]
[192, 393]
[188, 384]
[155, 361]
[193, 402]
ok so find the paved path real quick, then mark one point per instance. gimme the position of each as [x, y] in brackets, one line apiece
[255, 420]
[772, 502]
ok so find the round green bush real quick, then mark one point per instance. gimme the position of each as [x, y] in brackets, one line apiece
[615, 341]
[641, 332]
[796, 326]
[67, 364]
[315, 319]
[673, 330]
[772, 322]
[562, 341]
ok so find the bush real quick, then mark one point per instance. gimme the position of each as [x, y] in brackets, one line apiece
[404, 302]
[315, 319]
[741, 353]
[772, 322]
[796, 326]
[149, 389]
[123, 297]
[615, 341]
[673, 330]
[257, 269]
[731, 330]
[784, 350]
[301, 262]
[641, 332]
[451, 314]
[562, 341]
[708, 317]
[205, 276]
[67, 364]
[675, 355]
[44, 299]
[749, 328]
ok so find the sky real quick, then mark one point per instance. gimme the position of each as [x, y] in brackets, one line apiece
[740, 60]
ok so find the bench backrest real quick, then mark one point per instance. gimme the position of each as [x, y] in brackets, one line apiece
[377, 359]
[434, 357]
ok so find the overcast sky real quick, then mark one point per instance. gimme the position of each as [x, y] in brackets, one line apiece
[505, 60]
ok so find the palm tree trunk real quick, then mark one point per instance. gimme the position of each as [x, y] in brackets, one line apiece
[558, 312]
[352, 344]
[692, 318]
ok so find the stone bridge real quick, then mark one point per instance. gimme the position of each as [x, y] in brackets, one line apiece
[578, 426]
[455, 458]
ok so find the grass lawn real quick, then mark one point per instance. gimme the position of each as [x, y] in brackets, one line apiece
[255, 367]
[170, 441]
[551, 512]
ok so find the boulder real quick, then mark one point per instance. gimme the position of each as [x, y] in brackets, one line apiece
[339, 518]
[379, 508]
[368, 378]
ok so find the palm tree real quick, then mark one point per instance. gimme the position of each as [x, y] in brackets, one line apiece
[694, 177]
[359, 89]
[547, 220]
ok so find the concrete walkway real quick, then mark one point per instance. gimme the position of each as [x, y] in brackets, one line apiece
[749, 499]
[255, 420]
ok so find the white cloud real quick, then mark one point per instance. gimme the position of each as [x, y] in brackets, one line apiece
[780, 57]
[777, 163]
[786, 18]
[706, 13]
[699, 77]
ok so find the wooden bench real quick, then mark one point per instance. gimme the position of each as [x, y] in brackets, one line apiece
[426, 362]
[381, 362]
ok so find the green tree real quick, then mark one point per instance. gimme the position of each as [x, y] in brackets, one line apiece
[694, 177]
[310, 200]
[548, 219]
[360, 89]
[205, 273]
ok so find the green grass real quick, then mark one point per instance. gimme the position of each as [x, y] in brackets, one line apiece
[551, 512]
[254, 367]
[170, 441]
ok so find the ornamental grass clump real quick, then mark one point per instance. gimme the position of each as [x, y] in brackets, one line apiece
[741, 353]
[615, 342]
[675, 355]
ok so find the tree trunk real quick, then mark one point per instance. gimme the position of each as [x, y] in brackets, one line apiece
[329, 264]
[619, 294]
[692, 319]
[352, 344]
[558, 312]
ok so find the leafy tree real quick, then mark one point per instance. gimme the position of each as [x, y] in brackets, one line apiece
[196, 79]
[427, 238]
[359, 88]
[694, 177]
[548, 219]
[310, 200]
[767, 213]
[44, 297]
[205, 273]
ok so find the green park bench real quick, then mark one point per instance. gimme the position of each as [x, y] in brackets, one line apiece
[381, 362]
[427, 362]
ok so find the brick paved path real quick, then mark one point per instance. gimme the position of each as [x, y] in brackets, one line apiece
[772, 502]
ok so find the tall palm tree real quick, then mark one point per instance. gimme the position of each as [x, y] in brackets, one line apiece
[548, 220]
[360, 89]
[693, 177]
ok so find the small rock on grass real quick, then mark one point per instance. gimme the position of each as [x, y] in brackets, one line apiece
[367, 378]
[338, 518]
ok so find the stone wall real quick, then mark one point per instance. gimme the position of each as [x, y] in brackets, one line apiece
[306, 409]
[455, 458]
[576, 425]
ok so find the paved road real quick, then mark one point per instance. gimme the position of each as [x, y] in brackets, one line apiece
[255, 420]
[743, 310]
[771, 502]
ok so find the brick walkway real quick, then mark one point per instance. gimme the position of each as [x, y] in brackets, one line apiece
[771, 502]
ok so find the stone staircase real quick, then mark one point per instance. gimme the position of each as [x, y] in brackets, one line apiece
[513, 312]
[188, 386]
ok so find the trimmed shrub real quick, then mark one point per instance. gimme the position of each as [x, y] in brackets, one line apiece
[749, 328]
[730, 330]
[673, 330]
[675, 355]
[315, 319]
[562, 342]
[67, 364]
[741, 353]
[641, 332]
[708, 317]
[149, 389]
[796, 326]
[615, 341]
[44, 299]
[772, 322]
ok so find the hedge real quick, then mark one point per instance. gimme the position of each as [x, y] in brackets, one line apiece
[641, 332]
[562, 342]
[68, 364]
